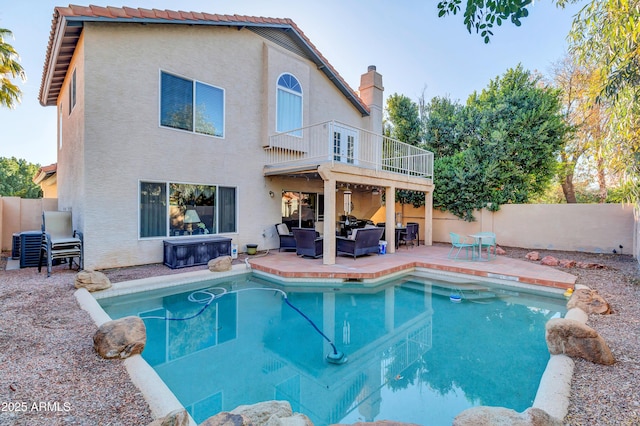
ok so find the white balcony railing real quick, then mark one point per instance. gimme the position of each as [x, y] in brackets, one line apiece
[332, 141]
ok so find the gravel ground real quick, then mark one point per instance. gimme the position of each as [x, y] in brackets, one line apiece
[48, 367]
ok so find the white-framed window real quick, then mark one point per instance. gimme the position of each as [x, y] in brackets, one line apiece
[289, 104]
[191, 105]
[302, 209]
[72, 91]
[185, 209]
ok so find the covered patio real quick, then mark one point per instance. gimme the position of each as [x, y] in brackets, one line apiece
[340, 158]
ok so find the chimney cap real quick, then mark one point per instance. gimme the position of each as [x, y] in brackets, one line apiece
[371, 68]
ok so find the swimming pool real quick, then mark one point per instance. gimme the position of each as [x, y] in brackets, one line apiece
[415, 354]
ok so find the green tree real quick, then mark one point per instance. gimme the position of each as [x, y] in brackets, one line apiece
[403, 122]
[481, 16]
[585, 154]
[444, 131]
[521, 129]
[500, 148]
[606, 32]
[605, 35]
[10, 68]
[514, 130]
[16, 178]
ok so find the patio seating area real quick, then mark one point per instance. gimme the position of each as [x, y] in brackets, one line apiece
[473, 245]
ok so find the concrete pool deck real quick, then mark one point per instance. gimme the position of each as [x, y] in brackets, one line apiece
[288, 265]
[554, 389]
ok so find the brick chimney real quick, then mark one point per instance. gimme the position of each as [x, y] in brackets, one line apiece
[371, 92]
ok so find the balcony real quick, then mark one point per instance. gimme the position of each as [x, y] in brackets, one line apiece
[335, 142]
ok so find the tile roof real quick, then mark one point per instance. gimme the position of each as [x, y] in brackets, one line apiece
[67, 24]
[44, 172]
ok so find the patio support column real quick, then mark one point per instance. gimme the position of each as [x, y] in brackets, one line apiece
[428, 218]
[329, 230]
[390, 218]
[389, 309]
[328, 320]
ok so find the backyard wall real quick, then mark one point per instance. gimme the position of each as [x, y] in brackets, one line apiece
[21, 214]
[594, 228]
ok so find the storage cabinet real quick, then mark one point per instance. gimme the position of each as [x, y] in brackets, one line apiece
[184, 252]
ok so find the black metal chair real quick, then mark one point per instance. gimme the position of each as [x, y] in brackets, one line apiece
[417, 225]
[410, 236]
[308, 242]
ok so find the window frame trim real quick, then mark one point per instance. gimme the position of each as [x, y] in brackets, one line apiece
[287, 90]
[167, 230]
[193, 104]
[73, 91]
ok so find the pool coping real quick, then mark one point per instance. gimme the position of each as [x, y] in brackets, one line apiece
[552, 395]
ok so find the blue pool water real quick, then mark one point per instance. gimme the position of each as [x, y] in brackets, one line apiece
[414, 353]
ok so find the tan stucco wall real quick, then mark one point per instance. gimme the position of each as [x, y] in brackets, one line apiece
[22, 214]
[597, 228]
[123, 142]
[594, 228]
[70, 142]
[49, 187]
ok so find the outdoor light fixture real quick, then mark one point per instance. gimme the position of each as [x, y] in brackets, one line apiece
[347, 202]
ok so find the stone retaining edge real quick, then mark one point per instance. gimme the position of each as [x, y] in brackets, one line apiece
[159, 397]
[554, 390]
[555, 387]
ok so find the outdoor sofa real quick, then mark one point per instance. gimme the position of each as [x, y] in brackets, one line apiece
[361, 241]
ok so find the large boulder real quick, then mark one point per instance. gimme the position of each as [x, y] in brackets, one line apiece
[120, 338]
[572, 338]
[567, 263]
[178, 417]
[550, 261]
[589, 301]
[92, 280]
[589, 265]
[379, 423]
[220, 264]
[499, 251]
[227, 419]
[533, 255]
[268, 413]
[499, 416]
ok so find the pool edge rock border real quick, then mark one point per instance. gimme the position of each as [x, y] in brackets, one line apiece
[161, 400]
[554, 390]
[555, 385]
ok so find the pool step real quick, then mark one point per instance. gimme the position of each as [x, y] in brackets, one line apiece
[272, 365]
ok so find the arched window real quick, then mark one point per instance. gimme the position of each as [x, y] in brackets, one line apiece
[289, 104]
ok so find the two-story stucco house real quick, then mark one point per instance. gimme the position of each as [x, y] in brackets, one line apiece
[173, 124]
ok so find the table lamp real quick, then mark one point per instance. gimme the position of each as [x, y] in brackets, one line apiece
[191, 217]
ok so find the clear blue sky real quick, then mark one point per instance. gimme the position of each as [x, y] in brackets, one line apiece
[411, 47]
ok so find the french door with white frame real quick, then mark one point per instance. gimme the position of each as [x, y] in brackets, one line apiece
[345, 144]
